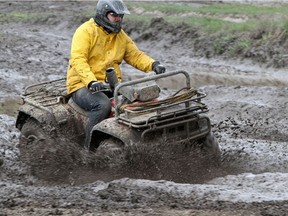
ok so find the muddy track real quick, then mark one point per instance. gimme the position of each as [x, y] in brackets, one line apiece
[248, 109]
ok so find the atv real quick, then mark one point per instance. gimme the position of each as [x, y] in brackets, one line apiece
[140, 115]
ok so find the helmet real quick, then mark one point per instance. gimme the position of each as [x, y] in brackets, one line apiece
[105, 6]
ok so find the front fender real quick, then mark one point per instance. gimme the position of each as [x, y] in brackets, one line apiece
[110, 127]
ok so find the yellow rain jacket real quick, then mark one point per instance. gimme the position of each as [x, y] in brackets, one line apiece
[94, 50]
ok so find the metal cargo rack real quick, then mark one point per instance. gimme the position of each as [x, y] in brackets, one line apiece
[46, 94]
[163, 114]
[176, 108]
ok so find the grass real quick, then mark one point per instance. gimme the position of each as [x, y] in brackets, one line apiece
[21, 16]
[243, 9]
[244, 20]
[210, 20]
[160, 7]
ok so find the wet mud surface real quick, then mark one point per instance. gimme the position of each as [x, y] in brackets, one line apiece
[248, 110]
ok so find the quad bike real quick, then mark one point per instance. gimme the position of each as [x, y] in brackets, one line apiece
[48, 112]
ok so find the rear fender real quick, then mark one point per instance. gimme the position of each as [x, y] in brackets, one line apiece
[110, 127]
[26, 111]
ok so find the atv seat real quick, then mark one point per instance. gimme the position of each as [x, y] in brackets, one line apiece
[77, 108]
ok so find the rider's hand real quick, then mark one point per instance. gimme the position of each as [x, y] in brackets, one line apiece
[95, 86]
[158, 68]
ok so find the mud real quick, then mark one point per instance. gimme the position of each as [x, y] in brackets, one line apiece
[248, 110]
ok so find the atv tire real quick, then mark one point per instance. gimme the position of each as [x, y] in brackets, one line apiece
[33, 141]
[111, 151]
[32, 135]
[35, 146]
[211, 146]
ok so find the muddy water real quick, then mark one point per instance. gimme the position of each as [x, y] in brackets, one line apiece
[219, 72]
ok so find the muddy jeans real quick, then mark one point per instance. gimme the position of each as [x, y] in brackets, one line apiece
[99, 106]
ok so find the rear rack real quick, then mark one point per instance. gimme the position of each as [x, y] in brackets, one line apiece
[46, 94]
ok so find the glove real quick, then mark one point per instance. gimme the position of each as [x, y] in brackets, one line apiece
[158, 68]
[95, 86]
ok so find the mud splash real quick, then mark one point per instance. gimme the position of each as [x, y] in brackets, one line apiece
[69, 164]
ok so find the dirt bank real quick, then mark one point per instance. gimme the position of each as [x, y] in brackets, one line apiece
[248, 109]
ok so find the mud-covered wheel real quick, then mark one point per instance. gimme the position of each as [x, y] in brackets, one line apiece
[31, 134]
[210, 145]
[48, 157]
[111, 150]
[33, 144]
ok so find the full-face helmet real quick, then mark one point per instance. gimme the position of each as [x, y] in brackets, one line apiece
[104, 7]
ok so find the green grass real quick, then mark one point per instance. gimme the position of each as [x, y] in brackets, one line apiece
[247, 24]
[216, 9]
[135, 18]
[210, 18]
[160, 7]
[18, 16]
[21, 16]
[250, 10]
[266, 22]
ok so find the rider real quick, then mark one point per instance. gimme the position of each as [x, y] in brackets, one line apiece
[98, 44]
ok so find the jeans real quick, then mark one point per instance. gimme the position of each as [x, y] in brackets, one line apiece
[98, 105]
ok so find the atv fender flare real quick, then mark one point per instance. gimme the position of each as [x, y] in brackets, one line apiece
[25, 113]
[111, 128]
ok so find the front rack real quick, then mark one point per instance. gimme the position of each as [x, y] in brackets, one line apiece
[164, 114]
[143, 80]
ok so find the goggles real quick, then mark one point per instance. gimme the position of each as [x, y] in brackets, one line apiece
[113, 14]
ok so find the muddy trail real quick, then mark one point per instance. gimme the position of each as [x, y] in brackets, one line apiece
[248, 109]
